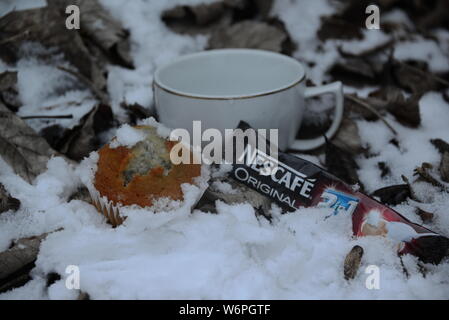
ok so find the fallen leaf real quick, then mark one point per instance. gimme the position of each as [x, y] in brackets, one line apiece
[8, 90]
[82, 139]
[384, 169]
[424, 175]
[430, 249]
[341, 164]
[81, 194]
[335, 27]
[248, 34]
[136, 112]
[425, 216]
[352, 262]
[17, 262]
[414, 77]
[444, 167]
[52, 277]
[354, 71]
[201, 18]
[348, 138]
[243, 194]
[393, 195]
[7, 202]
[441, 145]
[25, 151]
[405, 110]
[47, 27]
[103, 30]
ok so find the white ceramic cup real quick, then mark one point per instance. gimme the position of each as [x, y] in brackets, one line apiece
[222, 87]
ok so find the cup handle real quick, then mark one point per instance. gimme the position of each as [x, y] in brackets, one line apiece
[337, 89]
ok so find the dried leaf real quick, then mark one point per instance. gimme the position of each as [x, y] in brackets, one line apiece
[441, 145]
[425, 175]
[415, 79]
[102, 29]
[52, 277]
[444, 167]
[7, 202]
[354, 71]
[248, 34]
[425, 216]
[81, 194]
[379, 106]
[25, 151]
[431, 249]
[17, 262]
[243, 195]
[341, 164]
[348, 138]
[405, 110]
[352, 262]
[83, 296]
[46, 26]
[335, 27]
[384, 169]
[202, 18]
[78, 142]
[136, 112]
[8, 90]
[393, 195]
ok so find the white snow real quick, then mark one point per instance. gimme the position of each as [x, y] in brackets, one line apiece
[127, 136]
[425, 50]
[182, 255]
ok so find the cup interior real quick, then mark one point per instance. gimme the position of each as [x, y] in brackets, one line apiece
[229, 73]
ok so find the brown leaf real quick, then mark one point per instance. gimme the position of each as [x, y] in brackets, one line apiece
[352, 262]
[243, 195]
[348, 138]
[102, 29]
[405, 110]
[441, 145]
[78, 142]
[17, 262]
[335, 27]
[444, 167]
[393, 195]
[425, 216]
[8, 90]
[431, 249]
[248, 34]
[202, 18]
[384, 169]
[47, 27]
[136, 112]
[341, 164]
[7, 202]
[414, 78]
[25, 151]
[354, 71]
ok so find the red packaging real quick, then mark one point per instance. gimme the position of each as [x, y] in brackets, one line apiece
[293, 182]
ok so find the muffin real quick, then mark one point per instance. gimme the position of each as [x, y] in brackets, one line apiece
[134, 169]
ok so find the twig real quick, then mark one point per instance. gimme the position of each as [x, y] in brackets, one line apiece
[69, 116]
[426, 176]
[370, 108]
[100, 95]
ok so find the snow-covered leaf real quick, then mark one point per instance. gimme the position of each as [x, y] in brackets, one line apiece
[25, 151]
[7, 202]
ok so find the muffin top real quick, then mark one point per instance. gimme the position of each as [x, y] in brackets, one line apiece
[143, 173]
